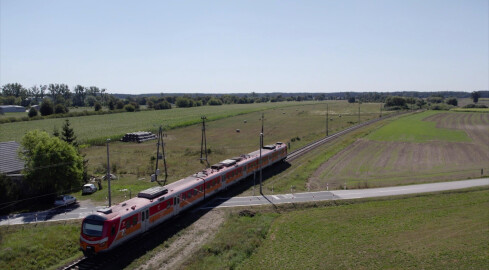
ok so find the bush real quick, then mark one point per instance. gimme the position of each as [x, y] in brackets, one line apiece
[163, 105]
[32, 112]
[129, 108]
[119, 105]
[47, 107]
[97, 106]
[214, 102]
[59, 109]
[452, 101]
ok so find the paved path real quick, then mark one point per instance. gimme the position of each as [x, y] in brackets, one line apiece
[344, 194]
[80, 211]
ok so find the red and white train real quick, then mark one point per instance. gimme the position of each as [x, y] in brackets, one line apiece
[112, 226]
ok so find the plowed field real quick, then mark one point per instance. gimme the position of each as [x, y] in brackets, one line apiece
[373, 163]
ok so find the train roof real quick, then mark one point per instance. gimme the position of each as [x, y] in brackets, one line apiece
[159, 193]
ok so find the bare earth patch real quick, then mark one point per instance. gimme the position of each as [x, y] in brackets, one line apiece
[368, 163]
[188, 242]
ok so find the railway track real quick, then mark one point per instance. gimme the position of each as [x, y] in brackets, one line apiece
[303, 150]
[121, 256]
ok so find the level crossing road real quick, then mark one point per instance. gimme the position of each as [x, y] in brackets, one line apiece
[81, 211]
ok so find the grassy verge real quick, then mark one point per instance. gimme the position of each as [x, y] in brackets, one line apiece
[39, 246]
[236, 241]
[443, 231]
[413, 129]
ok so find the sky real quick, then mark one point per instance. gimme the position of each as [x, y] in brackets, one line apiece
[135, 47]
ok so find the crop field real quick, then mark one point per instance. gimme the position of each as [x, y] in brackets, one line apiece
[441, 231]
[100, 127]
[431, 146]
[297, 125]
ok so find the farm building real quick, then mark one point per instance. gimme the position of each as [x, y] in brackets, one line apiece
[9, 160]
[11, 108]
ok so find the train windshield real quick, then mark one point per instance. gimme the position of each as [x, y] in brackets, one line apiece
[93, 227]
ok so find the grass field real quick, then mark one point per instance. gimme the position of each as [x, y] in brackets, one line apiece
[39, 246]
[441, 231]
[304, 123]
[413, 129]
[101, 127]
[412, 159]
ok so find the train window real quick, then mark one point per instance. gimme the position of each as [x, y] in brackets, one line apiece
[142, 216]
[112, 231]
[135, 220]
[93, 227]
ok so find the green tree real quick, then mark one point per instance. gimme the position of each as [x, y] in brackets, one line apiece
[475, 96]
[97, 106]
[68, 134]
[52, 165]
[47, 107]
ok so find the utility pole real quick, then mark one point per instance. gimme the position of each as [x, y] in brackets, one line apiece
[162, 156]
[359, 111]
[327, 120]
[261, 145]
[108, 172]
[203, 144]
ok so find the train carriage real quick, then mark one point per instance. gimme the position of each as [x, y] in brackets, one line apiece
[112, 226]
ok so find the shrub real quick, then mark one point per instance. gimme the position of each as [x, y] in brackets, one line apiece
[46, 107]
[97, 106]
[129, 108]
[119, 105]
[32, 112]
[59, 109]
[214, 102]
[452, 101]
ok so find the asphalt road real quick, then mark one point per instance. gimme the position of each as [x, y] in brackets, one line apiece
[344, 194]
[79, 211]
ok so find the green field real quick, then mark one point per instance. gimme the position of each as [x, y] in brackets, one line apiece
[413, 129]
[441, 231]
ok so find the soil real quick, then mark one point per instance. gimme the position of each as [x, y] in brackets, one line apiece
[187, 242]
[368, 163]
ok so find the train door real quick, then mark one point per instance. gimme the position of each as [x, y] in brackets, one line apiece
[145, 219]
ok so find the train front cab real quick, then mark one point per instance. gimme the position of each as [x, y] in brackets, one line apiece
[97, 234]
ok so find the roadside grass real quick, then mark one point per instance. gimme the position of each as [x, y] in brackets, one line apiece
[413, 129]
[134, 163]
[39, 246]
[435, 231]
[13, 115]
[235, 241]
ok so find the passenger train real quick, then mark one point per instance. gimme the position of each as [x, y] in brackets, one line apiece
[112, 226]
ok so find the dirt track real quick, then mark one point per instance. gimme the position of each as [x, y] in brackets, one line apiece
[364, 162]
[188, 242]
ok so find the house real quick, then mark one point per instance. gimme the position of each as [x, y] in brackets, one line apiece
[11, 108]
[10, 163]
